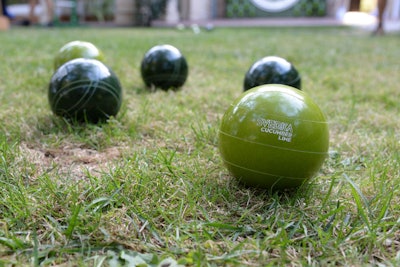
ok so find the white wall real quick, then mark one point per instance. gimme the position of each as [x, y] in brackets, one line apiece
[199, 10]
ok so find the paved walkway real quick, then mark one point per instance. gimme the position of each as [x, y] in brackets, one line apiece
[354, 21]
[255, 22]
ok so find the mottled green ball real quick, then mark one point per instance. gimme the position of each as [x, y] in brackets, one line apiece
[272, 70]
[85, 90]
[164, 67]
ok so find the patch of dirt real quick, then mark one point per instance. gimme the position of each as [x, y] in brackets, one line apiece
[69, 160]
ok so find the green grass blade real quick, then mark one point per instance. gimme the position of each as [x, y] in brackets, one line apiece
[360, 201]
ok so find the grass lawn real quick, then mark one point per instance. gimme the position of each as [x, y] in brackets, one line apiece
[150, 187]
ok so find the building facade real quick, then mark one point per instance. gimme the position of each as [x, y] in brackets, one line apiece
[212, 9]
[174, 11]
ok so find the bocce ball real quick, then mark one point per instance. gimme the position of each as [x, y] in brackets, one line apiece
[77, 49]
[164, 66]
[85, 90]
[273, 136]
[272, 70]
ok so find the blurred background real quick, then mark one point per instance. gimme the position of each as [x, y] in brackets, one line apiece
[145, 12]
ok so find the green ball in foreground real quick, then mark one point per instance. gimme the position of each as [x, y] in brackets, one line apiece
[85, 90]
[77, 49]
[165, 67]
[273, 136]
[272, 70]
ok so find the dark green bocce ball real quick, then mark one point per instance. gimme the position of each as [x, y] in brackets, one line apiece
[164, 66]
[77, 49]
[273, 136]
[272, 70]
[85, 90]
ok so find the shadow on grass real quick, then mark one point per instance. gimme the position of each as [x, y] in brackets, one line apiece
[152, 89]
[59, 130]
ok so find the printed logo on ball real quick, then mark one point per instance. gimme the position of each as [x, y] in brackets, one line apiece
[274, 5]
[283, 130]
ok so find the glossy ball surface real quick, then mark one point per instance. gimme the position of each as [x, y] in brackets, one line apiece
[85, 90]
[273, 136]
[272, 70]
[164, 66]
[77, 49]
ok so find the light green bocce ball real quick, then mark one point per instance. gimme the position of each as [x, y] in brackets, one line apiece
[77, 49]
[273, 136]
